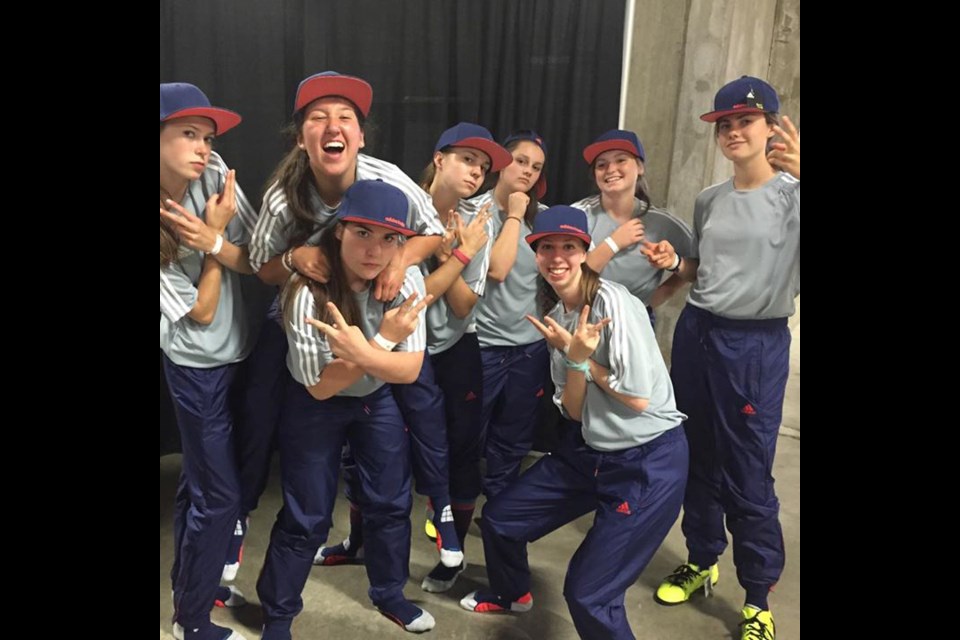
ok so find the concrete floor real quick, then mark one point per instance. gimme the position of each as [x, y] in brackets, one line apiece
[336, 603]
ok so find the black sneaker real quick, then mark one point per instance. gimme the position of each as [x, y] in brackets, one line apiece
[442, 578]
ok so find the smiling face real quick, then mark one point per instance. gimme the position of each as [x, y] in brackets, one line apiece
[461, 170]
[185, 145]
[522, 174]
[559, 258]
[332, 136]
[366, 250]
[617, 171]
[742, 138]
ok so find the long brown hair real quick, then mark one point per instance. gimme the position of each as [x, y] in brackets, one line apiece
[547, 298]
[294, 176]
[534, 206]
[169, 243]
[335, 290]
[429, 173]
[169, 238]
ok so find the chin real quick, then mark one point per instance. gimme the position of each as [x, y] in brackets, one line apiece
[333, 166]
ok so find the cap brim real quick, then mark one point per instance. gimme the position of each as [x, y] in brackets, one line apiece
[541, 187]
[357, 91]
[376, 223]
[713, 116]
[223, 119]
[591, 152]
[499, 157]
[533, 237]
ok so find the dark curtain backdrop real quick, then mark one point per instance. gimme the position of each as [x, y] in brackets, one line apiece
[549, 65]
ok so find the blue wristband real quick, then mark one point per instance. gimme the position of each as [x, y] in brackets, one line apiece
[583, 367]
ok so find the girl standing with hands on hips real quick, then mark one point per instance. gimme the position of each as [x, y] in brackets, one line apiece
[204, 338]
[626, 460]
[731, 349]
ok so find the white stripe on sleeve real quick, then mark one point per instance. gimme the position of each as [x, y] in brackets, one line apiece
[172, 305]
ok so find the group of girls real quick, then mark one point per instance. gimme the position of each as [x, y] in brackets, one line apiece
[372, 270]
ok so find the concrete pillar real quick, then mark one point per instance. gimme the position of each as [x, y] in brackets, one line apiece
[681, 53]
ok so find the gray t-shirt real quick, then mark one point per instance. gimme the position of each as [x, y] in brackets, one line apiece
[628, 348]
[501, 319]
[309, 351]
[629, 267]
[748, 244]
[228, 337]
[273, 233]
[444, 328]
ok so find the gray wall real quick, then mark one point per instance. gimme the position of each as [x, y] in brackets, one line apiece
[682, 51]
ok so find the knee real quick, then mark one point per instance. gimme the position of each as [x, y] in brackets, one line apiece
[384, 510]
[578, 598]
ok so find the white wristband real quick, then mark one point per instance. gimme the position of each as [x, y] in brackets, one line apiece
[612, 244]
[383, 342]
[676, 263]
[217, 245]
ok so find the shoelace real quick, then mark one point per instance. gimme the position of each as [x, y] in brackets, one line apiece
[682, 575]
[755, 629]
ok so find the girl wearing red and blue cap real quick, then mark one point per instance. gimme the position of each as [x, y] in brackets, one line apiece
[514, 355]
[445, 411]
[731, 348]
[623, 222]
[457, 277]
[346, 350]
[306, 190]
[204, 338]
[623, 458]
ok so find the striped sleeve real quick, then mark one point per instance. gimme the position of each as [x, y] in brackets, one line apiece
[629, 374]
[413, 283]
[309, 351]
[177, 293]
[422, 215]
[269, 233]
[587, 203]
[245, 212]
[589, 206]
[475, 273]
[558, 371]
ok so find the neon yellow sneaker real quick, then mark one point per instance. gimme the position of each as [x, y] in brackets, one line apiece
[428, 527]
[684, 581]
[757, 624]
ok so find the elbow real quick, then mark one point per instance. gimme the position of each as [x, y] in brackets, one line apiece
[575, 413]
[203, 317]
[497, 275]
[408, 378]
[639, 404]
[411, 372]
[463, 309]
[318, 392]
